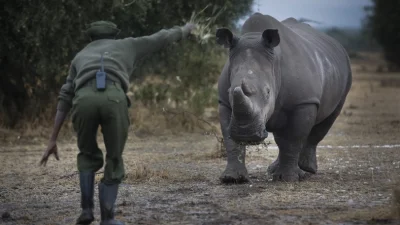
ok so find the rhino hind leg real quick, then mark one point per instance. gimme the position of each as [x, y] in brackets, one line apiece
[308, 158]
[272, 168]
[308, 155]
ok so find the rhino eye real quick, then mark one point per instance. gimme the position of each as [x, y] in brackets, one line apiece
[267, 91]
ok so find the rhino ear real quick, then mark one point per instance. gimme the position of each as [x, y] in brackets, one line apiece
[224, 37]
[270, 37]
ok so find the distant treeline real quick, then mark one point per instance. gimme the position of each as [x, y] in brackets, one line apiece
[383, 24]
[353, 39]
[380, 32]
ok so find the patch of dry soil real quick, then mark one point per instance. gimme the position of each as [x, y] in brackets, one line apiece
[174, 179]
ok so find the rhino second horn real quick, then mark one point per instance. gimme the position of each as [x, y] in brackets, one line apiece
[242, 104]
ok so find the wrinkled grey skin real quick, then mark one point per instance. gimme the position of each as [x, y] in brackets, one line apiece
[285, 78]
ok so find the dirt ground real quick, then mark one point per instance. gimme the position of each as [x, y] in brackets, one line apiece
[174, 179]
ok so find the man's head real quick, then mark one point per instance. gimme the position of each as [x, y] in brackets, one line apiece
[102, 30]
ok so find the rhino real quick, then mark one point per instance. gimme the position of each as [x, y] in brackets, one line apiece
[285, 78]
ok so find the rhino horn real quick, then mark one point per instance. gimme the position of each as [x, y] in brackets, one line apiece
[242, 105]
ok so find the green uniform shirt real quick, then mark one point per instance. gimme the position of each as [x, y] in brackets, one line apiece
[120, 57]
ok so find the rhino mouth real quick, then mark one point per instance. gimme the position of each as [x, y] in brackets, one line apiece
[246, 126]
[250, 143]
[249, 139]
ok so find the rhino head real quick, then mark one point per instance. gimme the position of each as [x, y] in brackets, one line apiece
[253, 84]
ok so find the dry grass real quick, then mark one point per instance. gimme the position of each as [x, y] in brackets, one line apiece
[175, 120]
[151, 173]
[218, 152]
[373, 215]
[145, 121]
[143, 172]
[203, 31]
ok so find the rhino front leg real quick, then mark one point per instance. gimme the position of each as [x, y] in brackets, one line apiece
[291, 141]
[235, 171]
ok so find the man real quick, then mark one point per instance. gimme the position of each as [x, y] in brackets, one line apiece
[95, 90]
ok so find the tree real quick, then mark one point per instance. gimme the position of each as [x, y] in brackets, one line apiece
[383, 23]
[40, 38]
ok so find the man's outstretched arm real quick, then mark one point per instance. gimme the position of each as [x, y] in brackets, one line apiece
[149, 44]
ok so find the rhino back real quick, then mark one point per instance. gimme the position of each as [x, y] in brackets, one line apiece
[259, 22]
[323, 67]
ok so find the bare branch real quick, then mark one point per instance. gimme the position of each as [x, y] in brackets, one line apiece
[126, 5]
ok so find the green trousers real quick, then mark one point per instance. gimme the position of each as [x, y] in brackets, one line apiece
[109, 110]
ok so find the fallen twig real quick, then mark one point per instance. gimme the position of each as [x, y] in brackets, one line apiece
[75, 173]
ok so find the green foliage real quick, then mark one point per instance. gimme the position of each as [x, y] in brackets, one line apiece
[189, 83]
[40, 38]
[383, 23]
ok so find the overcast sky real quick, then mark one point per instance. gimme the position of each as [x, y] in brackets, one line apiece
[340, 13]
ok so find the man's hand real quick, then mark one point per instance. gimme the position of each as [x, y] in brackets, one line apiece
[190, 26]
[52, 146]
[51, 149]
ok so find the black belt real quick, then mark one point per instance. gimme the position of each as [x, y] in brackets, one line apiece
[92, 82]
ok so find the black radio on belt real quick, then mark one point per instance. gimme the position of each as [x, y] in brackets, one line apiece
[101, 76]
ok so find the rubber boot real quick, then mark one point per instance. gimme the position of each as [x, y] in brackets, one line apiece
[86, 180]
[107, 196]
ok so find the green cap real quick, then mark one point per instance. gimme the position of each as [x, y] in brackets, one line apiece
[102, 28]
